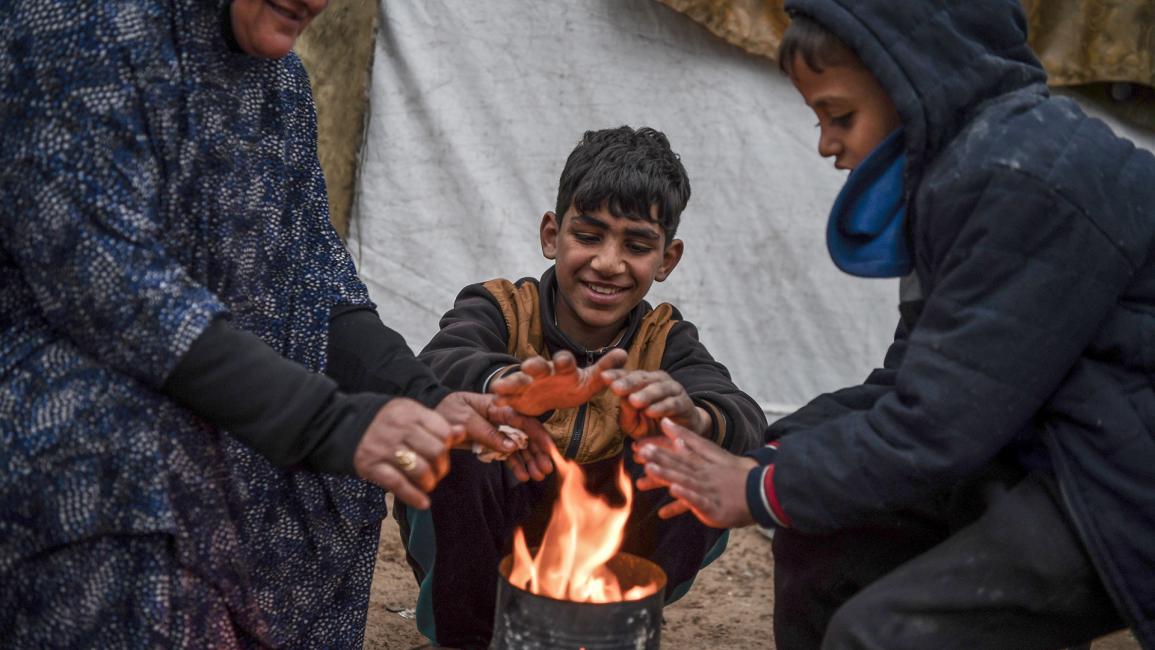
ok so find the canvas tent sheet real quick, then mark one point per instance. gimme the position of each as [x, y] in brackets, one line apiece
[474, 108]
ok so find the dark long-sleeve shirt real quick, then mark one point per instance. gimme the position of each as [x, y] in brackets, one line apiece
[476, 341]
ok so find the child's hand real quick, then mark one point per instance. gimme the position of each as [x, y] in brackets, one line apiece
[703, 478]
[480, 416]
[526, 465]
[650, 395]
[541, 386]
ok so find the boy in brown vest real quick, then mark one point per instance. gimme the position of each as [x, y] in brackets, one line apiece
[612, 235]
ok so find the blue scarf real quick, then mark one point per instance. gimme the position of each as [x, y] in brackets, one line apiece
[865, 233]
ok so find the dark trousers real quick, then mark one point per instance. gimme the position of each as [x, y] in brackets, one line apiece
[1003, 568]
[475, 510]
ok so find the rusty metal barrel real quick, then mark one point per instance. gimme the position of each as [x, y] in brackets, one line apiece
[526, 621]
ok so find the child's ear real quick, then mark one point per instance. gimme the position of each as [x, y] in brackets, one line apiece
[549, 231]
[670, 258]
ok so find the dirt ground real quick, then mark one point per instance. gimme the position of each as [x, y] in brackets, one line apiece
[728, 607]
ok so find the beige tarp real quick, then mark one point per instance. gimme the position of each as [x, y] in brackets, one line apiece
[753, 25]
[1079, 41]
[1088, 41]
[337, 49]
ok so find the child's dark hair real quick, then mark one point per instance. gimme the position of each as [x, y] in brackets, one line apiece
[817, 46]
[627, 171]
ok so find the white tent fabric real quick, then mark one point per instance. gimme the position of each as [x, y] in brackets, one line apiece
[474, 108]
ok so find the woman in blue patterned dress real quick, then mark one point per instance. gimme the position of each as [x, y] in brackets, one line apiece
[168, 274]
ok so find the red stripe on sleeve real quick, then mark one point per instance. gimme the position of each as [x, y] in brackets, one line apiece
[772, 498]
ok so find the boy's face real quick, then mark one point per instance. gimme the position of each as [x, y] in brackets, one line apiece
[854, 113]
[605, 266]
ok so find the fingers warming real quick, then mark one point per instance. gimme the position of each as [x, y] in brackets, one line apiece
[391, 478]
[613, 359]
[434, 423]
[457, 435]
[563, 362]
[671, 459]
[532, 465]
[535, 368]
[517, 466]
[673, 509]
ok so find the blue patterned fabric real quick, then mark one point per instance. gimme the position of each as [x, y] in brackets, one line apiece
[151, 180]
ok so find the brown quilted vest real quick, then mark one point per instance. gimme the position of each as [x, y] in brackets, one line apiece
[600, 435]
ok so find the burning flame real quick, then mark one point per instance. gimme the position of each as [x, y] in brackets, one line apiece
[584, 532]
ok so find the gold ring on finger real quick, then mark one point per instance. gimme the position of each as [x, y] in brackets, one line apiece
[406, 459]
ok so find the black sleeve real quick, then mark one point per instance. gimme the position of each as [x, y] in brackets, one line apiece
[366, 356]
[233, 380]
[1023, 280]
[472, 343]
[739, 422]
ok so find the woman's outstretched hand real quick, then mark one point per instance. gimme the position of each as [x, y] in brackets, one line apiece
[702, 477]
[406, 447]
[406, 450]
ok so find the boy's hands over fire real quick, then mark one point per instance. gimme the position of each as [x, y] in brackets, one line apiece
[540, 386]
[702, 477]
[480, 414]
[647, 396]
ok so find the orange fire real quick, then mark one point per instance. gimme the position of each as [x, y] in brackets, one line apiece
[584, 532]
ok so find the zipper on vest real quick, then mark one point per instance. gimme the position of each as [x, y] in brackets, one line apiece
[575, 440]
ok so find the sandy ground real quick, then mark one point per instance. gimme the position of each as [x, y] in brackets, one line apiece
[728, 607]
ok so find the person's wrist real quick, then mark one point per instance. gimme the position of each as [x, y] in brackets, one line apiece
[761, 497]
[337, 452]
[434, 396]
[497, 374]
[764, 455]
[451, 406]
[705, 424]
[755, 501]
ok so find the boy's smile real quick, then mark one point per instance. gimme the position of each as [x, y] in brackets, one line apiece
[605, 265]
[854, 112]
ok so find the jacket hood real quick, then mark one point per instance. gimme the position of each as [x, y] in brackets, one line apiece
[937, 59]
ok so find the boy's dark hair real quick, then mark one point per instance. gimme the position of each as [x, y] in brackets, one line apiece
[627, 171]
[817, 46]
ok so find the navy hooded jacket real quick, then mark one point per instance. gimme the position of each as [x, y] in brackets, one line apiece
[1032, 227]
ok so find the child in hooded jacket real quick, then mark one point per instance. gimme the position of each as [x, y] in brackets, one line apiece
[991, 485]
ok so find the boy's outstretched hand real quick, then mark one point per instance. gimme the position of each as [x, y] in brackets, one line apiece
[650, 395]
[703, 478]
[480, 416]
[540, 385]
